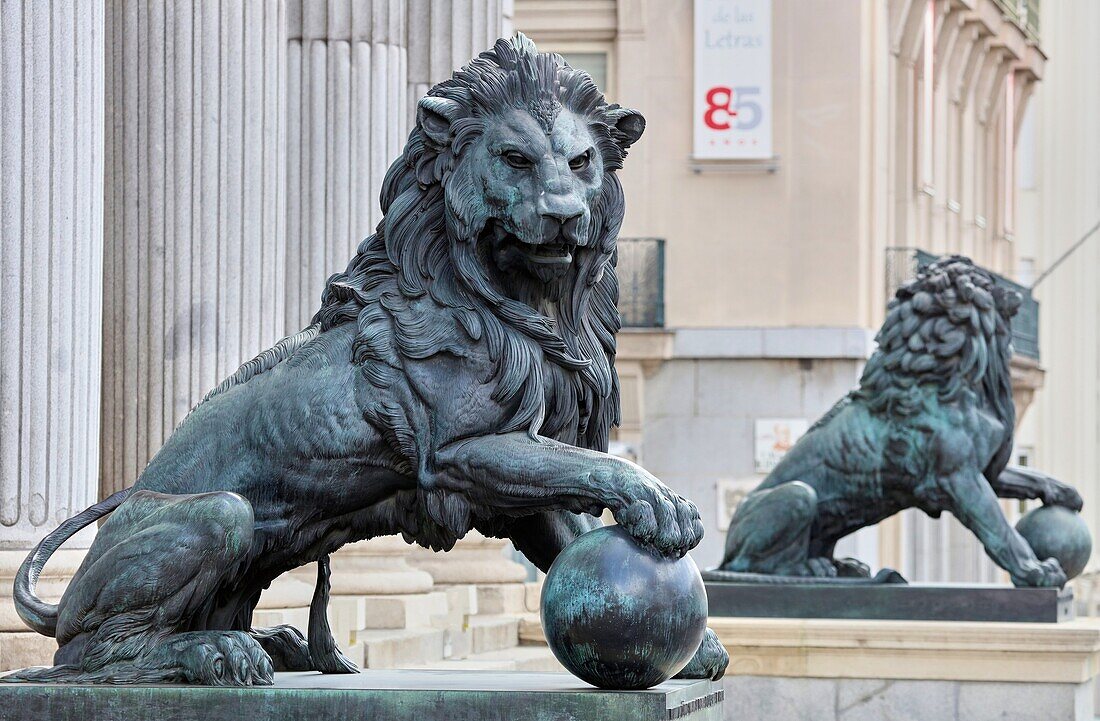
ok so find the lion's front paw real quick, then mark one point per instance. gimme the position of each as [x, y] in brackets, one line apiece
[710, 660]
[1060, 494]
[1041, 573]
[657, 517]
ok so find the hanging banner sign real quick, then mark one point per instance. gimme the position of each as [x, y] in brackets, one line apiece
[733, 79]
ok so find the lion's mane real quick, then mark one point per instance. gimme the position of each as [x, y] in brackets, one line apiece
[556, 368]
[946, 339]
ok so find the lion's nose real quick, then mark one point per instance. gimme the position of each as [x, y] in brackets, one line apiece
[562, 217]
[559, 208]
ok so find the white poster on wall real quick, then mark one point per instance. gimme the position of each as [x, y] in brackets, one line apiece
[733, 79]
[774, 437]
[731, 491]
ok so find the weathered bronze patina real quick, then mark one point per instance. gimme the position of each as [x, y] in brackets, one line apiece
[459, 374]
[930, 427]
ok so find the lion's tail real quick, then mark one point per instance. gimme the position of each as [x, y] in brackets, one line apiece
[35, 612]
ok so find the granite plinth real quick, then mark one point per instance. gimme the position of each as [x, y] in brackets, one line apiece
[901, 602]
[390, 695]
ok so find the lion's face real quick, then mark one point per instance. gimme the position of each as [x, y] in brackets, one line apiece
[538, 189]
[525, 159]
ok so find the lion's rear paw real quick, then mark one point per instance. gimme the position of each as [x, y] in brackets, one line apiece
[286, 646]
[219, 658]
[818, 567]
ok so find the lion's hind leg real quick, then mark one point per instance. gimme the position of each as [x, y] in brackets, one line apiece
[770, 532]
[133, 613]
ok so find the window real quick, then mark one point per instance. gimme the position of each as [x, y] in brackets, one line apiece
[595, 64]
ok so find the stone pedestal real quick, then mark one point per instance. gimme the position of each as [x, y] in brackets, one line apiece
[844, 670]
[898, 601]
[393, 695]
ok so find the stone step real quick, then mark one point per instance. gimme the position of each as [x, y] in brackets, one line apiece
[497, 598]
[493, 633]
[19, 649]
[530, 630]
[397, 648]
[269, 617]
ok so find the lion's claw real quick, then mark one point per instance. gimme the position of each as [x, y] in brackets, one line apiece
[1060, 494]
[661, 519]
[1042, 574]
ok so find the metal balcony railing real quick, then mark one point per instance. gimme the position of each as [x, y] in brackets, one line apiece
[902, 265]
[1024, 13]
[641, 271]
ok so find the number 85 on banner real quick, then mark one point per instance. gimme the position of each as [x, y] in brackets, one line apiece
[732, 108]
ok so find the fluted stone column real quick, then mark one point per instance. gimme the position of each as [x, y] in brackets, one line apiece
[444, 35]
[51, 257]
[346, 84]
[195, 216]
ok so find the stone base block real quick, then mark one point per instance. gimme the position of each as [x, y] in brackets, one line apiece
[520, 658]
[843, 670]
[286, 591]
[497, 598]
[821, 699]
[267, 618]
[909, 602]
[395, 695]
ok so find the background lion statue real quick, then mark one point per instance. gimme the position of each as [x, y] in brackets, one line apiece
[930, 426]
[459, 374]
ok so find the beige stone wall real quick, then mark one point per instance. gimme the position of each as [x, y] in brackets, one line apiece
[805, 245]
[1060, 201]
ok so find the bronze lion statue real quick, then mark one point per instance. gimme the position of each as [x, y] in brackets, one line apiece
[459, 374]
[930, 426]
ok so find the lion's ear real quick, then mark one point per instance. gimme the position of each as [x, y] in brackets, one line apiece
[627, 125]
[434, 115]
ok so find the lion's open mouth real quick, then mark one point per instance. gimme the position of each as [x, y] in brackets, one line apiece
[549, 253]
[547, 261]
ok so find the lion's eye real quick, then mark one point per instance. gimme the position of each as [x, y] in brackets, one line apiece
[581, 161]
[515, 159]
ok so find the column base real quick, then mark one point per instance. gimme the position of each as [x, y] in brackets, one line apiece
[475, 559]
[19, 645]
[51, 584]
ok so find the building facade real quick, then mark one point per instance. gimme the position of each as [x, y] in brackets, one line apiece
[207, 165]
[892, 125]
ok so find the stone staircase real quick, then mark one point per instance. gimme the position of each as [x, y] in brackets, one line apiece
[384, 613]
[450, 627]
